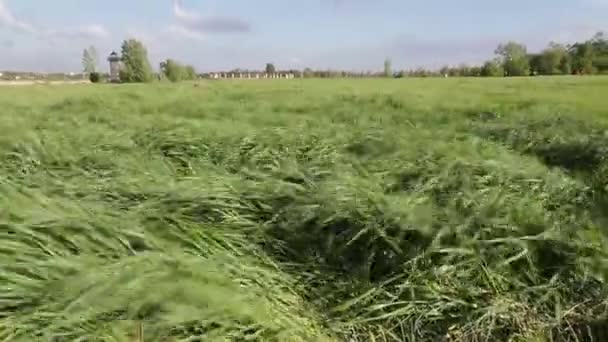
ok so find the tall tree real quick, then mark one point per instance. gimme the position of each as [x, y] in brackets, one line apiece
[514, 58]
[600, 48]
[535, 60]
[552, 60]
[600, 38]
[172, 70]
[90, 58]
[175, 71]
[388, 68]
[270, 69]
[565, 66]
[189, 73]
[582, 55]
[135, 64]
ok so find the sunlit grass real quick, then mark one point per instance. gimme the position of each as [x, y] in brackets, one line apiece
[305, 210]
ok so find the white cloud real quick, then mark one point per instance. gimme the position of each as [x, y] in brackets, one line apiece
[94, 30]
[84, 32]
[192, 24]
[9, 20]
[184, 15]
[186, 32]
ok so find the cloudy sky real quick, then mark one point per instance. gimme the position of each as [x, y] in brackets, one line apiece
[49, 35]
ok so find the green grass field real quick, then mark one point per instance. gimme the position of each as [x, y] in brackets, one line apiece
[306, 210]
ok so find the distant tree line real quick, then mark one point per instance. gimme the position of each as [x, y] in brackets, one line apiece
[512, 59]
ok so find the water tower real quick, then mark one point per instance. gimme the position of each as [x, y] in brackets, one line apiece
[114, 60]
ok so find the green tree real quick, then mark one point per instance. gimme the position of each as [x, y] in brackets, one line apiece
[90, 59]
[474, 71]
[600, 42]
[582, 55]
[388, 68]
[454, 72]
[401, 74]
[565, 65]
[94, 77]
[189, 73]
[552, 60]
[463, 70]
[270, 69]
[514, 59]
[492, 68]
[600, 49]
[135, 64]
[535, 61]
[175, 71]
[172, 70]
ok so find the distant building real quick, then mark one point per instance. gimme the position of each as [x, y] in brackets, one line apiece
[114, 60]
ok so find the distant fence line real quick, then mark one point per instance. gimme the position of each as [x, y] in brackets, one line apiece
[250, 75]
[41, 82]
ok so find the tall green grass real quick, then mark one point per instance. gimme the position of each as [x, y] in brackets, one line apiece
[305, 210]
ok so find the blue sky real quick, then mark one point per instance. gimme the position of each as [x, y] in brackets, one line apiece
[49, 35]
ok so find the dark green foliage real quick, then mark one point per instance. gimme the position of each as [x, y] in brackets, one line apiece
[582, 58]
[270, 69]
[94, 77]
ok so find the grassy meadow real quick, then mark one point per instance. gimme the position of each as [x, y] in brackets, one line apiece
[306, 210]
